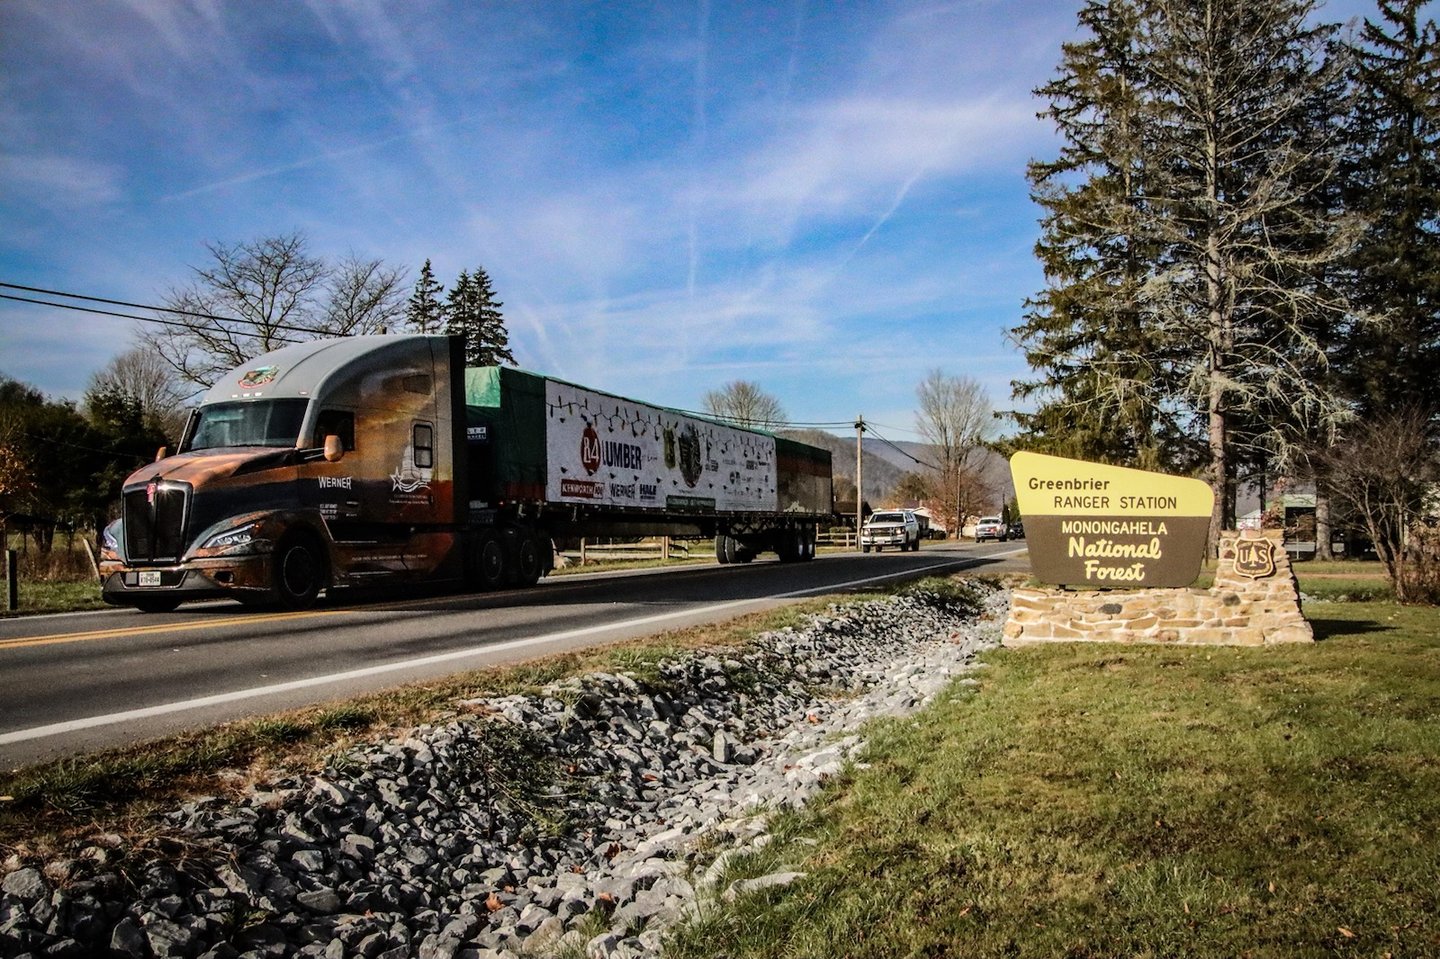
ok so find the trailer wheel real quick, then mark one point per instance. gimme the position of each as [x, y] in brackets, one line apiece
[725, 548]
[809, 540]
[490, 565]
[788, 546]
[299, 571]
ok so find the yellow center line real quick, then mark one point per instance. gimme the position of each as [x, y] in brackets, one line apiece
[158, 628]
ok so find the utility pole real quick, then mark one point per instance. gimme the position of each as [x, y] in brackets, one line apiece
[859, 476]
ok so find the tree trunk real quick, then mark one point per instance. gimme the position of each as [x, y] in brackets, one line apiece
[1219, 336]
[1322, 520]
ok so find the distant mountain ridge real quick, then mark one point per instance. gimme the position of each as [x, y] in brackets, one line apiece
[881, 475]
[885, 464]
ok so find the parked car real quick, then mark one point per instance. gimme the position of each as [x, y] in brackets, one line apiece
[991, 527]
[895, 528]
[1016, 530]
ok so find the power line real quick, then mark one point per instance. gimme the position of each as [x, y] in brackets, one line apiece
[768, 425]
[919, 462]
[145, 306]
[781, 425]
[91, 309]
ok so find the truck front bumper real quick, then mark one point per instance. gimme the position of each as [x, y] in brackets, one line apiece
[246, 578]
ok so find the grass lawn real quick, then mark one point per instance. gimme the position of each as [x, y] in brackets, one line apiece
[39, 596]
[1139, 801]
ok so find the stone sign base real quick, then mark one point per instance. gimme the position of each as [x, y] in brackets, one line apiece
[1254, 602]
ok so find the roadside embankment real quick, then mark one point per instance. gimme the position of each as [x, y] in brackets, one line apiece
[587, 818]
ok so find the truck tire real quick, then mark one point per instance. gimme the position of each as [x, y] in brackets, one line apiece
[725, 548]
[490, 562]
[299, 571]
[527, 560]
[789, 546]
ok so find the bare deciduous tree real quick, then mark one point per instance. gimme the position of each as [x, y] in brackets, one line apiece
[1383, 473]
[365, 296]
[263, 294]
[745, 404]
[955, 417]
[141, 375]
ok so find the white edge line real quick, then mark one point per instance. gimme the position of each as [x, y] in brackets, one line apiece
[110, 719]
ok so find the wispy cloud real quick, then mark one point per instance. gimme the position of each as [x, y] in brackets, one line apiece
[54, 181]
[663, 198]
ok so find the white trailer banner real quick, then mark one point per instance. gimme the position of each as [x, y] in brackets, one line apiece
[604, 450]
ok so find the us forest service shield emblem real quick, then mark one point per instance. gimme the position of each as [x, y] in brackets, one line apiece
[1255, 558]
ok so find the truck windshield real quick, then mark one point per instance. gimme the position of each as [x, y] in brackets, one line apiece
[887, 518]
[257, 423]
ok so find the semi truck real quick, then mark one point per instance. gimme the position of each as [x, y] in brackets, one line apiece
[339, 464]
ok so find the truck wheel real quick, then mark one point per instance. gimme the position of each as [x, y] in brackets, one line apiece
[527, 561]
[864, 549]
[789, 546]
[725, 548]
[299, 571]
[156, 604]
[490, 565]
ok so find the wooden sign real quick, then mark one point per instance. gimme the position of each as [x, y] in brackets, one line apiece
[1088, 524]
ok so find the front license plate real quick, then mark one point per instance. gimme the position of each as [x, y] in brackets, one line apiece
[149, 577]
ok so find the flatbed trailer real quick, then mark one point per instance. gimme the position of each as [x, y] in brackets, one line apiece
[338, 464]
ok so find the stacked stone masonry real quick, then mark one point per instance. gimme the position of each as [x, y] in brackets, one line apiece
[1236, 611]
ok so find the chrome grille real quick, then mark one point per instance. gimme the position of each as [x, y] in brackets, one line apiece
[155, 522]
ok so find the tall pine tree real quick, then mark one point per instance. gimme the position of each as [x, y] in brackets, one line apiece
[1184, 246]
[424, 313]
[1086, 335]
[474, 312]
[1394, 185]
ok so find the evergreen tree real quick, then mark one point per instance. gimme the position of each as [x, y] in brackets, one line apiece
[1087, 335]
[425, 313]
[1394, 185]
[474, 312]
[1186, 245]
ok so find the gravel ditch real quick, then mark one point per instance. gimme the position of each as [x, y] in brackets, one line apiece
[581, 821]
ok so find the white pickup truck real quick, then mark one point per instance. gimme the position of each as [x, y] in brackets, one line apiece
[991, 527]
[895, 528]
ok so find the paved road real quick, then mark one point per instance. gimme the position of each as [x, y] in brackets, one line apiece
[85, 680]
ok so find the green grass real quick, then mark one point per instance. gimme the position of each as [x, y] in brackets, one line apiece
[38, 596]
[1344, 581]
[1133, 801]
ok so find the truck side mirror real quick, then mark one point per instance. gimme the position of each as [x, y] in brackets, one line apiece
[161, 453]
[334, 449]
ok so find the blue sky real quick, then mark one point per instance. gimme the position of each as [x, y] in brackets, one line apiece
[828, 199]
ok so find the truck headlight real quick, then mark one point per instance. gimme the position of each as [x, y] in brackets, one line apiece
[244, 539]
[110, 538]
